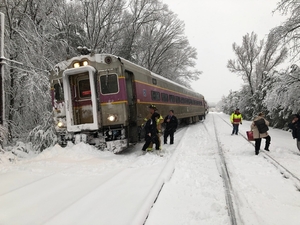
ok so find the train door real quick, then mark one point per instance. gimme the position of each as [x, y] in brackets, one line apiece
[131, 98]
[80, 99]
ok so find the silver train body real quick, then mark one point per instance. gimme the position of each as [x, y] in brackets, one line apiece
[102, 99]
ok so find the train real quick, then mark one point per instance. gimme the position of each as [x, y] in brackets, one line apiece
[102, 100]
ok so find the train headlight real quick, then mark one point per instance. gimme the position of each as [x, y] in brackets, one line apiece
[112, 118]
[60, 124]
[76, 65]
[85, 63]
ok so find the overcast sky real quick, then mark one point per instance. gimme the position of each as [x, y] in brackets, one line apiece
[212, 26]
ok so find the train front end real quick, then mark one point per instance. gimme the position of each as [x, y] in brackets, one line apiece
[89, 104]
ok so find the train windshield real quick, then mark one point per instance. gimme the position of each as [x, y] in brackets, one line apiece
[109, 83]
[84, 88]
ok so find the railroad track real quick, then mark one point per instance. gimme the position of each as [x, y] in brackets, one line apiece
[282, 169]
[233, 212]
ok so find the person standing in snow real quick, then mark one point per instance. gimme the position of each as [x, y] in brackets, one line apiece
[171, 126]
[295, 127]
[159, 121]
[151, 109]
[151, 132]
[260, 127]
[236, 119]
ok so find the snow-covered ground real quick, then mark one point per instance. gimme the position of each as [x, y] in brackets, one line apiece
[82, 185]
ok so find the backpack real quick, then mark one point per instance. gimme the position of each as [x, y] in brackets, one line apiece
[261, 126]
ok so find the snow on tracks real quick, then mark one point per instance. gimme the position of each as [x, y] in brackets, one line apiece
[81, 185]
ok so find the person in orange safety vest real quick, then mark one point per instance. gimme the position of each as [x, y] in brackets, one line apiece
[236, 119]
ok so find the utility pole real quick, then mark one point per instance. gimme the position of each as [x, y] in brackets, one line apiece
[2, 99]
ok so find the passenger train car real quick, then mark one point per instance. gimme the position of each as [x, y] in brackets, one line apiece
[102, 99]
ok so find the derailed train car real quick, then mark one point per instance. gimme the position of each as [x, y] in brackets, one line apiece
[102, 99]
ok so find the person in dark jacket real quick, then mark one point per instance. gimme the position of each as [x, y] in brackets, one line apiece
[260, 127]
[171, 126]
[295, 127]
[159, 121]
[151, 132]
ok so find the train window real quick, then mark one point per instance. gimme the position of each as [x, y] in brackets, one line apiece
[182, 100]
[164, 97]
[109, 84]
[177, 99]
[84, 88]
[154, 81]
[155, 95]
[172, 98]
[58, 92]
[200, 102]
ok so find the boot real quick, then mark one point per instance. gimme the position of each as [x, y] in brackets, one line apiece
[267, 147]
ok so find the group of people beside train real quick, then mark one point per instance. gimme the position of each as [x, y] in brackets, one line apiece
[260, 126]
[153, 128]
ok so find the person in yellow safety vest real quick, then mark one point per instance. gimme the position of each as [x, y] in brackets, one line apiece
[159, 121]
[236, 119]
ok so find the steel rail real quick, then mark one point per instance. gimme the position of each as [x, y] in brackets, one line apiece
[273, 161]
[229, 193]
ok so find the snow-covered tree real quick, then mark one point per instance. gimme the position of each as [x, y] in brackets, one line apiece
[290, 29]
[157, 42]
[27, 42]
[101, 19]
[247, 56]
[256, 62]
[282, 98]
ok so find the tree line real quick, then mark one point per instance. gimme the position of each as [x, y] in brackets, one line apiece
[271, 83]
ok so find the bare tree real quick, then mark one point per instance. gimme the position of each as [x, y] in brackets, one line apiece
[101, 17]
[140, 14]
[272, 55]
[67, 26]
[247, 56]
[289, 31]
[163, 48]
[256, 63]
